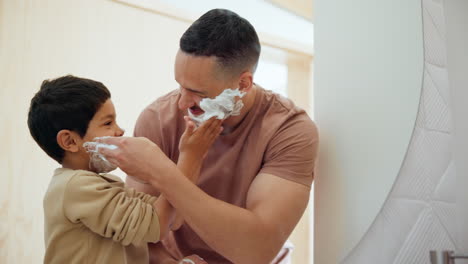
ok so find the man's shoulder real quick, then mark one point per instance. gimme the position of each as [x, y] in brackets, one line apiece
[161, 121]
[283, 113]
[163, 111]
[164, 102]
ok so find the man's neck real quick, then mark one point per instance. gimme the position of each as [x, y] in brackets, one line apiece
[233, 122]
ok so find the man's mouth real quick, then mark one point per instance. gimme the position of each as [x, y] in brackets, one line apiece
[195, 110]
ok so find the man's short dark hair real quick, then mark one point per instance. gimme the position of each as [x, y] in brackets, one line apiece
[225, 35]
[67, 102]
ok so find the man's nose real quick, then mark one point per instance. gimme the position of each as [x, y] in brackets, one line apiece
[186, 101]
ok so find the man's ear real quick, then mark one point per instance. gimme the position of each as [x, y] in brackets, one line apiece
[68, 140]
[246, 81]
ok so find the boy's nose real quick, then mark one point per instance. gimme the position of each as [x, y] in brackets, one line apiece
[120, 132]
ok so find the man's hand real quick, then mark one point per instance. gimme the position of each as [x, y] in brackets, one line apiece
[139, 157]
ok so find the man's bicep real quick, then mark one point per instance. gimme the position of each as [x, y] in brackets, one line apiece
[131, 182]
[278, 202]
[292, 152]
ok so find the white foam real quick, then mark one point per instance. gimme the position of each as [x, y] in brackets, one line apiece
[222, 107]
[97, 162]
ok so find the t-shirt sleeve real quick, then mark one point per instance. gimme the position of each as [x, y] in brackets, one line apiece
[292, 151]
[148, 125]
[107, 209]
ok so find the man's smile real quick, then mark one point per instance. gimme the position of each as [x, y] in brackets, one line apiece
[196, 110]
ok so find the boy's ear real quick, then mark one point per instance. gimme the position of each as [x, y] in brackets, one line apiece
[67, 140]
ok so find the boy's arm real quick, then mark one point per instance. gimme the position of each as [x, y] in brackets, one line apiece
[192, 173]
[193, 147]
[190, 166]
[148, 198]
[107, 210]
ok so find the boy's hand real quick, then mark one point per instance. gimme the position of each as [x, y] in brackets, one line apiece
[197, 141]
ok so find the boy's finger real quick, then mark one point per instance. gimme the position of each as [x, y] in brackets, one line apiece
[206, 125]
[213, 129]
[214, 134]
[190, 125]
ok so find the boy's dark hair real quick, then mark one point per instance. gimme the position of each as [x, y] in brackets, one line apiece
[225, 35]
[67, 102]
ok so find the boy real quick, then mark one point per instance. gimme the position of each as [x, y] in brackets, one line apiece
[92, 217]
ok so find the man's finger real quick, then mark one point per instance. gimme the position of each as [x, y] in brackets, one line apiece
[109, 154]
[110, 140]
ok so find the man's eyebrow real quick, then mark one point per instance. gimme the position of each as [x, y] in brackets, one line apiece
[195, 91]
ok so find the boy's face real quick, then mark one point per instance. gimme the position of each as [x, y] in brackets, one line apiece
[103, 124]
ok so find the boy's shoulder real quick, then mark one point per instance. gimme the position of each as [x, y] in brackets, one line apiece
[69, 178]
[67, 185]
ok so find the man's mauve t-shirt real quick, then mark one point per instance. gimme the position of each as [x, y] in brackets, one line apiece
[275, 137]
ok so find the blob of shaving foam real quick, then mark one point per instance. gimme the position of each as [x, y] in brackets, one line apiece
[97, 162]
[223, 106]
[187, 261]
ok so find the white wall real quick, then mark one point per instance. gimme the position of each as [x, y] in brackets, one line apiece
[368, 71]
[456, 14]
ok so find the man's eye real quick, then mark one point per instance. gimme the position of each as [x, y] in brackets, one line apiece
[108, 123]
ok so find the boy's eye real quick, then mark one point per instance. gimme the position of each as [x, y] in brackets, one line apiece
[108, 123]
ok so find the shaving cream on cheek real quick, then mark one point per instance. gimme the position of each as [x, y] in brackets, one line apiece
[223, 106]
[97, 162]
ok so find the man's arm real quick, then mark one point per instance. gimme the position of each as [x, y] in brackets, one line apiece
[251, 235]
[274, 204]
[189, 167]
[194, 145]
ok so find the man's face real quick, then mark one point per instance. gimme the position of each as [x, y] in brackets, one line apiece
[103, 124]
[198, 79]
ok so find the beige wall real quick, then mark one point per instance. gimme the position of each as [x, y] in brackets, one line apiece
[130, 50]
[302, 8]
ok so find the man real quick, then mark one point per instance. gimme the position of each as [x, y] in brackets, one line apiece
[255, 182]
